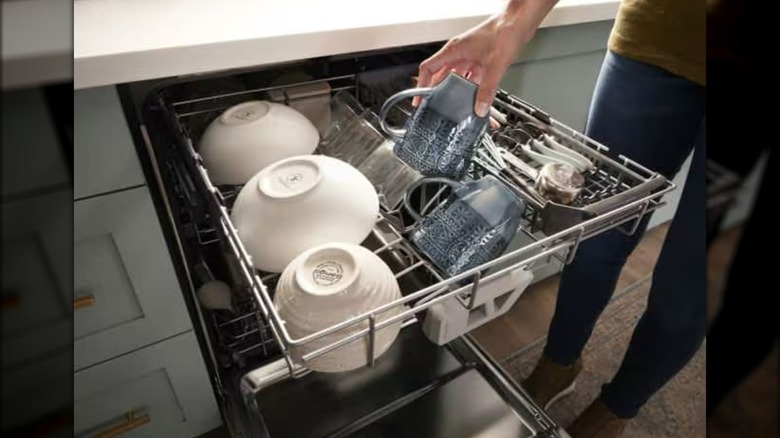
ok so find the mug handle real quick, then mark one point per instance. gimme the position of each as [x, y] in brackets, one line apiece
[413, 186]
[398, 133]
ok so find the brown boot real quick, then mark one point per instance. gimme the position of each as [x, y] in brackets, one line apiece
[549, 381]
[597, 421]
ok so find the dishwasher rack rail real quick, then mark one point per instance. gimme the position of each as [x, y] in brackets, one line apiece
[626, 190]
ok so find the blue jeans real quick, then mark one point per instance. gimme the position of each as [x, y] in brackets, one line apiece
[656, 119]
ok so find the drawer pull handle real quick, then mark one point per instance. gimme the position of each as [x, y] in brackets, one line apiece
[83, 302]
[132, 421]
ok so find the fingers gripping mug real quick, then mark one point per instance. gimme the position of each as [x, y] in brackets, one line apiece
[440, 138]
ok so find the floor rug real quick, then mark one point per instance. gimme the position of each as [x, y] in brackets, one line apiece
[678, 410]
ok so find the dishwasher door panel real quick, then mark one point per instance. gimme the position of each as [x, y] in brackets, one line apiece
[466, 407]
[415, 389]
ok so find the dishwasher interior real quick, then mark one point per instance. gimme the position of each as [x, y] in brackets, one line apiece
[417, 388]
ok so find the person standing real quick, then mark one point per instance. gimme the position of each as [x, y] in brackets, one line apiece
[649, 104]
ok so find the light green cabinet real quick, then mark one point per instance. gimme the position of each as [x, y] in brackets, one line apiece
[162, 390]
[134, 349]
[104, 157]
[558, 69]
[121, 265]
[561, 86]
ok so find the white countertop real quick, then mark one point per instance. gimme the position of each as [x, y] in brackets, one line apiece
[119, 41]
[36, 42]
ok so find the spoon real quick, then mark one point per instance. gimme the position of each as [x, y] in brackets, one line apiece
[587, 165]
[554, 156]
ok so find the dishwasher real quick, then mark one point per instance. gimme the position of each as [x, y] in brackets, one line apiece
[425, 385]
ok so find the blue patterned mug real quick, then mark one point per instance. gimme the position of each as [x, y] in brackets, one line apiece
[440, 138]
[473, 226]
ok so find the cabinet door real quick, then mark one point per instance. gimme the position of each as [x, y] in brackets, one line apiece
[32, 157]
[37, 276]
[126, 294]
[160, 391]
[104, 154]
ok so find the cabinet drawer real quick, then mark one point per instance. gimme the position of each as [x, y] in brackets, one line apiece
[104, 157]
[32, 157]
[165, 385]
[37, 277]
[126, 294]
[23, 387]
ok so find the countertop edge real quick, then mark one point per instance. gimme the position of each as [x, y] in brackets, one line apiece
[115, 68]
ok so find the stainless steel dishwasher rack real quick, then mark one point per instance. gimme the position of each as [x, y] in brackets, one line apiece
[625, 190]
[243, 334]
[618, 191]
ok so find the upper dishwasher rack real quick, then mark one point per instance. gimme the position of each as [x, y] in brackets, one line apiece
[619, 193]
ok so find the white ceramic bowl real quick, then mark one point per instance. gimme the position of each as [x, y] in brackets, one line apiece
[250, 136]
[329, 284]
[301, 202]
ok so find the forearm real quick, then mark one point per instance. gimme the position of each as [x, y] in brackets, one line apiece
[524, 17]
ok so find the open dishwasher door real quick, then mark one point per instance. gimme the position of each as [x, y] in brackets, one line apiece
[417, 388]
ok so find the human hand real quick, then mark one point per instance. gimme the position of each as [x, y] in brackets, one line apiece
[484, 53]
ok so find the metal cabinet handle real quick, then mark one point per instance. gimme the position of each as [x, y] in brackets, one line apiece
[131, 422]
[83, 302]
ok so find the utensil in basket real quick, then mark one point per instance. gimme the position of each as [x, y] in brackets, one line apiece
[558, 182]
[553, 216]
[500, 169]
[552, 143]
